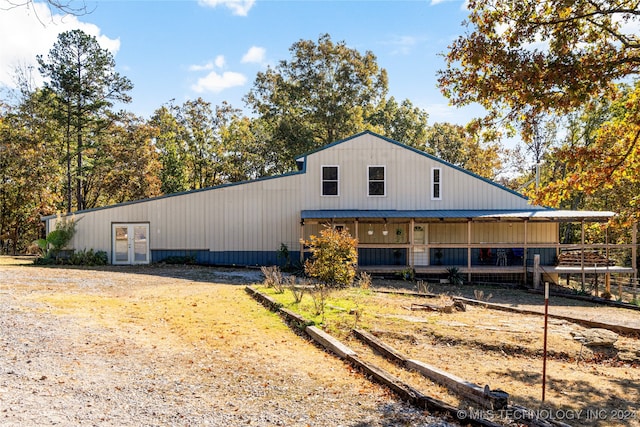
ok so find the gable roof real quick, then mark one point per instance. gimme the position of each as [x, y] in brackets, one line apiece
[302, 159]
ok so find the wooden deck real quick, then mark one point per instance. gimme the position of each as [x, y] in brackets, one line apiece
[576, 269]
[495, 269]
[443, 269]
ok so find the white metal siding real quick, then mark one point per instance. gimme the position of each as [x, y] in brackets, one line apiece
[260, 215]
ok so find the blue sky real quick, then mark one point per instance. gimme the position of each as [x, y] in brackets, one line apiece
[184, 49]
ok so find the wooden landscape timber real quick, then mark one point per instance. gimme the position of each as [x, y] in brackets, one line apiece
[403, 390]
[484, 396]
[620, 329]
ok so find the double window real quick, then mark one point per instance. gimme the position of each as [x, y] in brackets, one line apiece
[376, 181]
[330, 181]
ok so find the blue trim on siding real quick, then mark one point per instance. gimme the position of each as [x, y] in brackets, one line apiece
[366, 257]
[205, 257]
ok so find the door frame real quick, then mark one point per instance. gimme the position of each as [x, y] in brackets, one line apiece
[130, 242]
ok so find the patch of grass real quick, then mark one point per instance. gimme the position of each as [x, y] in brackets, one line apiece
[15, 260]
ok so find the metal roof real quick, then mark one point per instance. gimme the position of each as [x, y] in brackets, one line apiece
[530, 214]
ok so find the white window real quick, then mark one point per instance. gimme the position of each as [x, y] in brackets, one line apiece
[436, 184]
[330, 181]
[376, 181]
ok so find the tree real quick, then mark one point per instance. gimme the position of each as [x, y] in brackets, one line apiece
[125, 164]
[456, 145]
[246, 156]
[401, 122]
[70, 7]
[522, 59]
[201, 136]
[29, 170]
[171, 149]
[82, 76]
[324, 93]
[598, 166]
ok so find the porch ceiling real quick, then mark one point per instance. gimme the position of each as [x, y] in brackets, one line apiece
[478, 215]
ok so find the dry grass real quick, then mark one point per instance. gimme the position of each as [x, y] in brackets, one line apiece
[166, 346]
[501, 349]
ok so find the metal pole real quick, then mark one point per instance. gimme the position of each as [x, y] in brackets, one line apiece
[544, 351]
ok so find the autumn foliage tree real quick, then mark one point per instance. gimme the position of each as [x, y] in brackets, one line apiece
[598, 166]
[334, 257]
[522, 60]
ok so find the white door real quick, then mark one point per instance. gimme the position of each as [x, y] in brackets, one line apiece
[420, 254]
[130, 244]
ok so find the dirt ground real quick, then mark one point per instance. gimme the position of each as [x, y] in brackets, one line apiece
[160, 345]
[585, 385]
[168, 346]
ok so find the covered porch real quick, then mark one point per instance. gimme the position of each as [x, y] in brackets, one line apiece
[476, 242]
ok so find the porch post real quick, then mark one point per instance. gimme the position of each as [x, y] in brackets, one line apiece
[411, 255]
[302, 241]
[525, 251]
[607, 276]
[469, 250]
[584, 277]
[634, 256]
[355, 231]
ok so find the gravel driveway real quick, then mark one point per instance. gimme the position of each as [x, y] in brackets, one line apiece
[87, 347]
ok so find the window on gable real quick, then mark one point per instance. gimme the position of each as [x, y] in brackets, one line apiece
[436, 184]
[330, 181]
[376, 180]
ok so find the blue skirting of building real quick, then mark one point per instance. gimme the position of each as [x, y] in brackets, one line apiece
[366, 257]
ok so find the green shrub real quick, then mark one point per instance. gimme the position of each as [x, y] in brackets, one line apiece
[58, 239]
[89, 257]
[44, 261]
[334, 257]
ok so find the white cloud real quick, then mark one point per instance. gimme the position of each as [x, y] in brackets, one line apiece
[214, 82]
[204, 67]
[238, 7]
[27, 31]
[255, 54]
[218, 62]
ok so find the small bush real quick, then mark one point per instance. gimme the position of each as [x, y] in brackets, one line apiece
[88, 257]
[44, 261]
[59, 238]
[334, 257]
[319, 295]
[479, 295]
[454, 276]
[364, 280]
[606, 295]
[297, 291]
[407, 273]
[273, 278]
[423, 287]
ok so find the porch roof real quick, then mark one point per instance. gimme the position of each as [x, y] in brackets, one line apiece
[488, 214]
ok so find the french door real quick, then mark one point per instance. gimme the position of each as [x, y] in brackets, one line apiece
[130, 244]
